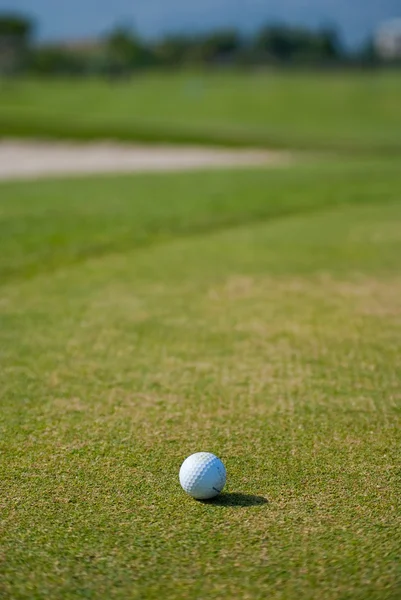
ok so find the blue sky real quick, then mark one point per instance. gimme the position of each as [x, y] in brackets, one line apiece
[81, 18]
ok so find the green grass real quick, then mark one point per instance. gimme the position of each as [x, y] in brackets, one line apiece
[48, 224]
[343, 111]
[256, 315]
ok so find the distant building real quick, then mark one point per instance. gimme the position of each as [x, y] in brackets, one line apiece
[388, 40]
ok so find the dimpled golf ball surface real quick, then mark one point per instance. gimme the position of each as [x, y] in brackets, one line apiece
[202, 475]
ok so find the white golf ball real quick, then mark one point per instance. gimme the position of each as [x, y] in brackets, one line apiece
[202, 475]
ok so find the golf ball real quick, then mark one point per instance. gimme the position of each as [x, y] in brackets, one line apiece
[202, 475]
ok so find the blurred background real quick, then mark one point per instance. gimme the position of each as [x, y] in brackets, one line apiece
[318, 74]
[122, 37]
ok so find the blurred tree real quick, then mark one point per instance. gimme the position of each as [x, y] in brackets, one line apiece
[274, 42]
[297, 45]
[174, 50]
[125, 52]
[15, 39]
[368, 55]
[330, 43]
[53, 60]
[219, 47]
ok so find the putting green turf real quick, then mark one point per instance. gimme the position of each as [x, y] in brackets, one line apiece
[354, 111]
[255, 315]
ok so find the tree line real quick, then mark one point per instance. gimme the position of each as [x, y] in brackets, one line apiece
[122, 50]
